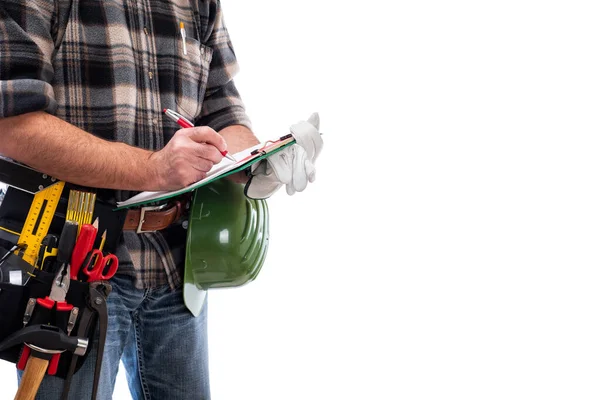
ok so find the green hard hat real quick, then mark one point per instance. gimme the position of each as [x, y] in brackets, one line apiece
[227, 240]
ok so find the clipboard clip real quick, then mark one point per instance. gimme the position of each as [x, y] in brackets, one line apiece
[263, 150]
[260, 151]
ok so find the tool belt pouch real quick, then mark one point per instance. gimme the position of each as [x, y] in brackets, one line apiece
[15, 207]
[13, 305]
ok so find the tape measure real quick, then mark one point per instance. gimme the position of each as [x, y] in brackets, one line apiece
[38, 221]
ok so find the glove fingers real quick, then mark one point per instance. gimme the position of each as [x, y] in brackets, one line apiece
[281, 165]
[309, 167]
[314, 120]
[308, 137]
[290, 190]
[299, 176]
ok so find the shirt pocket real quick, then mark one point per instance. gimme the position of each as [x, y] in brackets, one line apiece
[191, 75]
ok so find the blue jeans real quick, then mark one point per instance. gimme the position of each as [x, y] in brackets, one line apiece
[163, 347]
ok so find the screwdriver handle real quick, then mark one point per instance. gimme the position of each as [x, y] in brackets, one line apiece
[66, 243]
[84, 244]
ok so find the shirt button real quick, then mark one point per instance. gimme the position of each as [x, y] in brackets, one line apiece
[150, 74]
[155, 121]
[146, 30]
[202, 50]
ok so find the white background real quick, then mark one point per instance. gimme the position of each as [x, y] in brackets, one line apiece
[449, 246]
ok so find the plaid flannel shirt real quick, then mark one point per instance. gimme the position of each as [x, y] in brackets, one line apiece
[119, 64]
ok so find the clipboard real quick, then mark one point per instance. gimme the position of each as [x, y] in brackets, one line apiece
[245, 158]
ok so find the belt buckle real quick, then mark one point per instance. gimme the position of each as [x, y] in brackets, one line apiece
[143, 211]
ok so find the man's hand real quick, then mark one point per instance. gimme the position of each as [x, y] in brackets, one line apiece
[188, 156]
[293, 166]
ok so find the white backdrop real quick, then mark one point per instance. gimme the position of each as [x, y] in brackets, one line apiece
[449, 246]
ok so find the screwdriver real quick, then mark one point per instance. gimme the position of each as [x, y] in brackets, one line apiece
[66, 243]
[83, 245]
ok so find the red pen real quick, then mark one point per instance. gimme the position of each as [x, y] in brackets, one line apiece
[185, 123]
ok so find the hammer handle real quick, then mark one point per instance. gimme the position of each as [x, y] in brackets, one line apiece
[32, 378]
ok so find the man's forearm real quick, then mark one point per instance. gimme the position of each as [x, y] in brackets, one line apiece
[238, 138]
[68, 153]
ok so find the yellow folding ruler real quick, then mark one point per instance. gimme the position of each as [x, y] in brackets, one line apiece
[38, 221]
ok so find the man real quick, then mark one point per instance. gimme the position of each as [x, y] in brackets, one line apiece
[82, 89]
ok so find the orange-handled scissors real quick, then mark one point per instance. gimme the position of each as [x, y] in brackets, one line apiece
[99, 267]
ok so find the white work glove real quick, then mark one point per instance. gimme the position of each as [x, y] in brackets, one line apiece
[293, 166]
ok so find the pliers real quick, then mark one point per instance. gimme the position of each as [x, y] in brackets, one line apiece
[58, 293]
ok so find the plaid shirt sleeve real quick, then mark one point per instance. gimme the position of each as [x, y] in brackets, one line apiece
[26, 47]
[222, 104]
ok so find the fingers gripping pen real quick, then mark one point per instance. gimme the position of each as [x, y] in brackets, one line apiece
[185, 123]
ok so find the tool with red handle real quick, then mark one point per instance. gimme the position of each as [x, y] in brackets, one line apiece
[84, 244]
[99, 267]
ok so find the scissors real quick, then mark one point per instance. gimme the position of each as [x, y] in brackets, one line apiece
[99, 267]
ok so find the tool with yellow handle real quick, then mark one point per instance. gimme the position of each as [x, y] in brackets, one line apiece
[38, 221]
